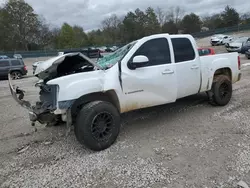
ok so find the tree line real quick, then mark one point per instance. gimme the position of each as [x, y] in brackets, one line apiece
[22, 29]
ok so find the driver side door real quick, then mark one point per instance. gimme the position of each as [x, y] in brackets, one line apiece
[150, 83]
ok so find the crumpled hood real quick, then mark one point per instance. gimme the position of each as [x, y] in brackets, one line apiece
[65, 62]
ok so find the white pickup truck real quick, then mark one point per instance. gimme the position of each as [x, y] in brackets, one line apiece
[153, 70]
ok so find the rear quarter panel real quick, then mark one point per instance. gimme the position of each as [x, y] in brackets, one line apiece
[209, 65]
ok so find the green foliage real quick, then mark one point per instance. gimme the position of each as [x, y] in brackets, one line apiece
[230, 16]
[213, 22]
[170, 27]
[152, 25]
[22, 29]
[245, 19]
[191, 23]
[19, 23]
[66, 36]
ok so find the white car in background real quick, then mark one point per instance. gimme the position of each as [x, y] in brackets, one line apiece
[235, 45]
[220, 39]
[34, 65]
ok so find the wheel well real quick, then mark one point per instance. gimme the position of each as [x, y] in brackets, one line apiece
[109, 96]
[15, 71]
[224, 71]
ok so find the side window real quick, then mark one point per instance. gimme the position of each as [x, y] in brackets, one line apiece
[183, 49]
[4, 64]
[157, 51]
[15, 62]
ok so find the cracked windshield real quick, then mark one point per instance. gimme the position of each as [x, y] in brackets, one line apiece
[124, 94]
[113, 58]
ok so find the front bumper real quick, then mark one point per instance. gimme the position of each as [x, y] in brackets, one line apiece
[233, 49]
[34, 68]
[36, 112]
[216, 42]
[18, 95]
[247, 54]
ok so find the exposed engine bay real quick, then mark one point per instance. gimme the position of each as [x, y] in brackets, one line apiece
[65, 65]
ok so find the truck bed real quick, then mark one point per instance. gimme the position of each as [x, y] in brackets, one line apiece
[213, 62]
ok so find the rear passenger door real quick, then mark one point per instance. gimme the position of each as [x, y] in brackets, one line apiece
[4, 67]
[187, 67]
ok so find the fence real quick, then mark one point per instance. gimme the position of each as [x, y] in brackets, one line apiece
[236, 28]
[47, 53]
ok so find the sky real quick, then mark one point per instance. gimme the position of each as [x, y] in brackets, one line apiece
[90, 13]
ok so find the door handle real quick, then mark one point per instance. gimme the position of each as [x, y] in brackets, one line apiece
[168, 72]
[194, 67]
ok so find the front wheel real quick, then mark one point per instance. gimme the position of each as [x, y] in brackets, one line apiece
[221, 90]
[97, 125]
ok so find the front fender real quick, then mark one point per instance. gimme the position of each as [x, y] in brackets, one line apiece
[74, 86]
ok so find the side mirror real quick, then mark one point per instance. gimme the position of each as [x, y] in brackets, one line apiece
[138, 61]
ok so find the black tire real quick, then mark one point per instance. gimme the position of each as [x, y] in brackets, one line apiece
[16, 75]
[221, 90]
[88, 130]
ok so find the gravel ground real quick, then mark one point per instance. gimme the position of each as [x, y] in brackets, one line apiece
[185, 144]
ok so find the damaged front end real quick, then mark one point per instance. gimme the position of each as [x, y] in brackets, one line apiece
[48, 110]
[43, 110]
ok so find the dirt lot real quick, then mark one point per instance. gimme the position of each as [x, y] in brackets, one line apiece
[186, 144]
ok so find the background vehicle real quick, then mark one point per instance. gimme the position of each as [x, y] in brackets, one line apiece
[4, 57]
[91, 96]
[245, 47]
[108, 49]
[206, 51]
[16, 67]
[247, 54]
[220, 39]
[102, 49]
[235, 45]
[17, 56]
[89, 52]
[34, 65]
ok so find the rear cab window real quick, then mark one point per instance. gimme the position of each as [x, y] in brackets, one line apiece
[4, 63]
[203, 52]
[183, 49]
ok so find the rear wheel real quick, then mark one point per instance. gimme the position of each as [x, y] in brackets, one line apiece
[221, 91]
[97, 125]
[16, 75]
